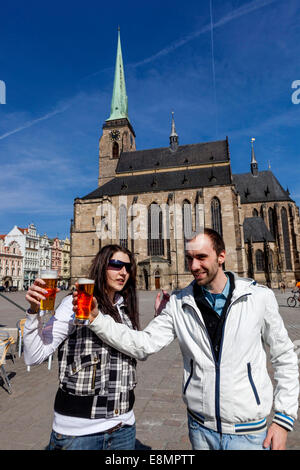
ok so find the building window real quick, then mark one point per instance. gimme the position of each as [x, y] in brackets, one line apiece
[260, 260]
[115, 150]
[155, 231]
[255, 213]
[123, 229]
[272, 221]
[168, 232]
[187, 226]
[271, 260]
[216, 217]
[286, 238]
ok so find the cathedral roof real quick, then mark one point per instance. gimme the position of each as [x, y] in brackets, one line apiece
[164, 181]
[255, 230]
[263, 187]
[157, 158]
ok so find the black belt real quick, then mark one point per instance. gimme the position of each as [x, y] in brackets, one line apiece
[111, 430]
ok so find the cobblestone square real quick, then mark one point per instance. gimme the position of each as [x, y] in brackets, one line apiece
[26, 414]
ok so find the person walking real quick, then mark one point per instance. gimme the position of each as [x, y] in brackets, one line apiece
[93, 407]
[222, 323]
[298, 289]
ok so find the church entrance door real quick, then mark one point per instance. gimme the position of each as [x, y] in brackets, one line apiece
[157, 280]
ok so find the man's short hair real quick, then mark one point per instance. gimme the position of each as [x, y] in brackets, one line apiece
[216, 239]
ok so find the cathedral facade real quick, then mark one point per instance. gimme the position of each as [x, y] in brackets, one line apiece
[152, 201]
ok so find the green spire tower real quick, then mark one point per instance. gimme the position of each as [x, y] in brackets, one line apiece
[118, 135]
[119, 102]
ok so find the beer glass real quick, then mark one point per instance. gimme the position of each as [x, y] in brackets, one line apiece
[85, 291]
[47, 306]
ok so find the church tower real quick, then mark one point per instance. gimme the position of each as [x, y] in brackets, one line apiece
[118, 135]
[173, 136]
[254, 165]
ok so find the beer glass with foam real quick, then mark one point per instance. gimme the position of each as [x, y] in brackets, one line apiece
[50, 277]
[85, 291]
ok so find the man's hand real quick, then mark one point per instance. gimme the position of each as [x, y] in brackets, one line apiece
[276, 437]
[160, 304]
[94, 307]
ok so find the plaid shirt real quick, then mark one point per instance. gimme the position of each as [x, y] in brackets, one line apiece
[98, 380]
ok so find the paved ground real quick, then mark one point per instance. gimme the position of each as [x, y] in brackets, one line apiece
[26, 414]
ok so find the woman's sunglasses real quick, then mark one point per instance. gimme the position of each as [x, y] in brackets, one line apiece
[118, 265]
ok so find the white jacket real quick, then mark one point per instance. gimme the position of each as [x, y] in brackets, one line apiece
[235, 394]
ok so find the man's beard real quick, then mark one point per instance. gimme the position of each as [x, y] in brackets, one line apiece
[206, 276]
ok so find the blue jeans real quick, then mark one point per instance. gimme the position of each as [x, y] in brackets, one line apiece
[206, 439]
[121, 439]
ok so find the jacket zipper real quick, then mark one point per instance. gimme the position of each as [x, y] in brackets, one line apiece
[252, 383]
[217, 363]
[94, 376]
[190, 376]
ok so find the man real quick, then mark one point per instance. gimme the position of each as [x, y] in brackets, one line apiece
[222, 323]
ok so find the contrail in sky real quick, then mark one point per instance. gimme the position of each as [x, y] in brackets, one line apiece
[33, 122]
[243, 10]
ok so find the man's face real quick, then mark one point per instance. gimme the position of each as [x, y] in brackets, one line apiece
[202, 259]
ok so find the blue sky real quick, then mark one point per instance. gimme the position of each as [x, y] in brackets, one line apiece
[57, 62]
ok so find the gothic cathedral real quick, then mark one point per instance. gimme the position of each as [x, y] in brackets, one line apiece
[151, 200]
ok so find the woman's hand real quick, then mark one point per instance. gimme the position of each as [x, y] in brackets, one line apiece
[36, 293]
[94, 308]
[159, 305]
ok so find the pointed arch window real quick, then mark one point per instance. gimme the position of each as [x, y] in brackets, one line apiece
[286, 238]
[272, 221]
[123, 227]
[216, 216]
[155, 230]
[115, 150]
[187, 226]
[271, 260]
[255, 213]
[168, 232]
[187, 222]
[260, 260]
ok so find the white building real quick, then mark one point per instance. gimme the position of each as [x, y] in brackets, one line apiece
[11, 264]
[38, 253]
[28, 240]
[44, 253]
[17, 234]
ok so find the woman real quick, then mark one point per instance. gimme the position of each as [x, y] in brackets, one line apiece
[93, 407]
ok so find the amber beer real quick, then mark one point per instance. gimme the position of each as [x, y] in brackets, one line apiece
[50, 277]
[85, 291]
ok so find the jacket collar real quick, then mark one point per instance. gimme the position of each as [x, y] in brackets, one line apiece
[119, 301]
[242, 287]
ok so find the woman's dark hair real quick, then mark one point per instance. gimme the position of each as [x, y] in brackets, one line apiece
[98, 273]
